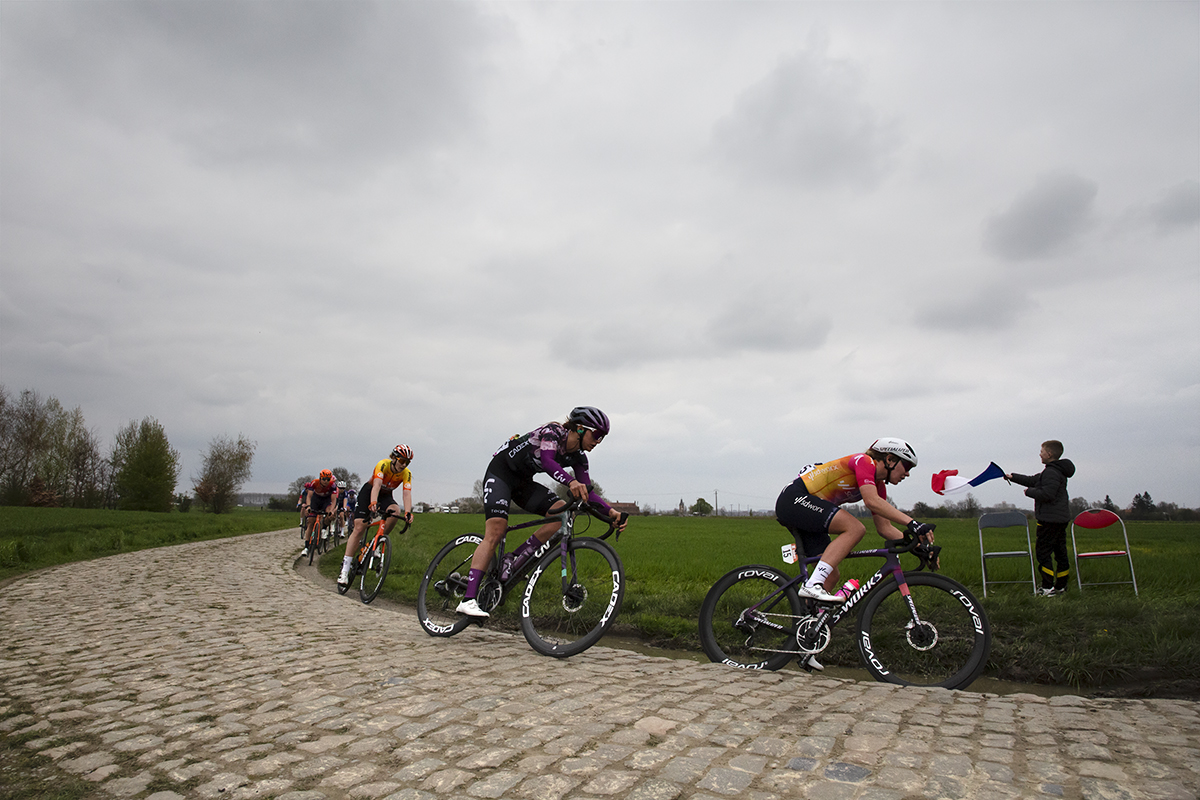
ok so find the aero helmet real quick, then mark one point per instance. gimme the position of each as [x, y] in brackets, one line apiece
[896, 447]
[589, 417]
[402, 451]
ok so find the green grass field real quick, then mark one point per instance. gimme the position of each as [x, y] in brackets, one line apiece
[1101, 638]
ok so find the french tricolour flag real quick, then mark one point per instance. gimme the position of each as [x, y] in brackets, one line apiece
[948, 482]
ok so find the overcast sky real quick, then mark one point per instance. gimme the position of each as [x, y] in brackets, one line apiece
[757, 235]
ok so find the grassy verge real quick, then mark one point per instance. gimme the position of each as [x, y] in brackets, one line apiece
[1104, 639]
[35, 538]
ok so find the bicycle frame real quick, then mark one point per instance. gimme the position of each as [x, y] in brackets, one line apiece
[561, 538]
[828, 615]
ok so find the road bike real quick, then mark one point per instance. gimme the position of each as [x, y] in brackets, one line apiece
[559, 618]
[374, 556]
[314, 540]
[912, 627]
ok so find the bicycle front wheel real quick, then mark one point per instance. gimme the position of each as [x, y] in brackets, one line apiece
[443, 585]
[563, 621]
[374, 569]
[950, 645]
[748, 619]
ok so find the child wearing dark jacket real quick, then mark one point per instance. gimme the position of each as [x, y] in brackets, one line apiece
[1052, 510]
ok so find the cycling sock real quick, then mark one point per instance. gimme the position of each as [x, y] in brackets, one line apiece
[820, 572]
[347, 562]
[473, 579]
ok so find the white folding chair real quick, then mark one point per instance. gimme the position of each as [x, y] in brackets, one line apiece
[1097, 519]
[1006, 519]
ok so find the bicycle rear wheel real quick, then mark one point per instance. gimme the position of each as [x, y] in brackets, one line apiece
[562, 623]
[443, 585]
[741, 627]
[949, 647]
[374, 569]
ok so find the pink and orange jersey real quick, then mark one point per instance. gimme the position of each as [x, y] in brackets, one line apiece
[383, 471]
[839, 481]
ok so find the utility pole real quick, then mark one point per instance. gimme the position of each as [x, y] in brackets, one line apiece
[716, 504]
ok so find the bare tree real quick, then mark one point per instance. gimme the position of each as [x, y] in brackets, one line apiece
[227, 465]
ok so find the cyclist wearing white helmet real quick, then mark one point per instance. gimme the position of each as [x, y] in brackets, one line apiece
[553, 448]
[376, 495]
[810, 507]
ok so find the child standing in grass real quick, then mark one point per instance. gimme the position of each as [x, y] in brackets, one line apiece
[1052, 510]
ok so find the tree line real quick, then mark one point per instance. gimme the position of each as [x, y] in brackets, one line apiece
[1141, 508]
[50, 457]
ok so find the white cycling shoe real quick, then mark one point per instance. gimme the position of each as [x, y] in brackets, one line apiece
[818, 593]
[471, 609]
[304, 552]
[811, 664]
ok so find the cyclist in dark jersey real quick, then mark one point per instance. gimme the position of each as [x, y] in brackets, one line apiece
[553, 449]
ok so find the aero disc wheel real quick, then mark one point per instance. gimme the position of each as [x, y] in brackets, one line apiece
[563, 623]
[374, 570]
[443, 585]
[948, 648]
[748, 619]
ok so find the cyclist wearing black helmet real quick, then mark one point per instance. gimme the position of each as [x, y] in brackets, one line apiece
[553, 449]
[376, 495]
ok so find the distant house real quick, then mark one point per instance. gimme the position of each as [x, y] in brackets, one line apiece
[627, 508]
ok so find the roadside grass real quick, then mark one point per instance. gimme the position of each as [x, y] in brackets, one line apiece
[26, 773]
[1102, 638]
[35, 538]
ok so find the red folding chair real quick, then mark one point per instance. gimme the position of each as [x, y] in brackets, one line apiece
[1095, 519]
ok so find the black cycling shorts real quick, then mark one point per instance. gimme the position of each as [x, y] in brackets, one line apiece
[502, 487]
[363, 509]
[320, 503]
[806, 516]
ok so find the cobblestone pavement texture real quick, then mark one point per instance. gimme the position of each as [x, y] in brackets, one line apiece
[215, 670]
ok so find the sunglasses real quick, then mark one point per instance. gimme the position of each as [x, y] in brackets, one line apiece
[599, 437]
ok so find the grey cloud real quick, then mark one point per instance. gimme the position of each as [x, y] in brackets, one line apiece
[274, 81]
[765, 324]
[1178, 208]
[1043, 221]
[973, 309]
[805, 124]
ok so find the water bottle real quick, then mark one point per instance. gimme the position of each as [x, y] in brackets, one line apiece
[848, 588]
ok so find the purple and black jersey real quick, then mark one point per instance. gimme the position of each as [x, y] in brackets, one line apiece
[544, 449]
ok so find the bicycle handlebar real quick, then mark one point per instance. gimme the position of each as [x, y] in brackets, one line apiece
[383, 516]
[927, 554]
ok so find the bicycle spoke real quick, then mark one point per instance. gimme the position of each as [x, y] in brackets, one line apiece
[947, 647]
[374, 569]
[443, 585]
[739, 626]
[563, 622]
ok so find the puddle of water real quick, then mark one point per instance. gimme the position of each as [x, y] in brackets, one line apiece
[982, 685]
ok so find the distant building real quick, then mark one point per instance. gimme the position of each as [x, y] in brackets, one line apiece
[627, 508]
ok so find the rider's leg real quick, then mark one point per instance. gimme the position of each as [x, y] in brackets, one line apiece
[352, 548]
[849, 530]
[494, 530]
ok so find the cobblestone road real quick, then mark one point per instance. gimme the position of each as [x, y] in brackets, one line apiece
[214, 670]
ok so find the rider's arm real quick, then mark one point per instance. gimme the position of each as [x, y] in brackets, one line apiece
[407, 494]
[308, 497]
[883, 512]
[376, 485]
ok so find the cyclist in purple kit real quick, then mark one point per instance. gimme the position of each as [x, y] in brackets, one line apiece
[553, 448]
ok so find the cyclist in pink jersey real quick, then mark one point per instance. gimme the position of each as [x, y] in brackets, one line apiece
[810, 508]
